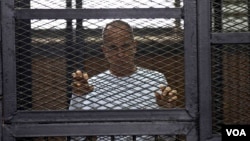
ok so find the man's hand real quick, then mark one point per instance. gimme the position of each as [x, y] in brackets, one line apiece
[80, 84]
[166, 97]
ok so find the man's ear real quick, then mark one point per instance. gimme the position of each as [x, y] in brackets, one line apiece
[103, 49]
[135, 46]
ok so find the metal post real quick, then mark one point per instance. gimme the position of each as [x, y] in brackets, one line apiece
[79, 40]
[248, 5]
[204, 53]
[68, 49]
[9, 58]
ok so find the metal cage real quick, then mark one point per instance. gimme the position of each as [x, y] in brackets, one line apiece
[200, 47]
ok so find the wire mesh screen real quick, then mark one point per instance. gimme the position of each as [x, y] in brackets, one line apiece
[48, 51]
[230, 15]
[230, 65]
[110, 138]
[230, 85]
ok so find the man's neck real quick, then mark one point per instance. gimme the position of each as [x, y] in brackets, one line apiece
[122, 71]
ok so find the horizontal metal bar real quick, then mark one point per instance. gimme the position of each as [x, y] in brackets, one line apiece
[109, 115]
[107, 128]
[215, 138]
[223, 38]
[98, 13]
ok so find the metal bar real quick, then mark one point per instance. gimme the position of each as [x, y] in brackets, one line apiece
[190, 48]
[192, 135]
[9, 58]
[204, 53]
[79, 46]
[230, 38]
[7, 135]
[98, 13]
[68, 49]
[134, 138]
[1, 118]
[105, 115]
[248, 17]
[1, 68]
[215, 138]
[0, 29]
[1, 81]
[112, 138]
[107, 128]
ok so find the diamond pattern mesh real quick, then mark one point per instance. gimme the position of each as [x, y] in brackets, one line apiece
[230, 65]
[48, 51]
[230, 85]
[230, 15]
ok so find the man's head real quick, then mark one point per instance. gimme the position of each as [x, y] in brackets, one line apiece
[119, 46]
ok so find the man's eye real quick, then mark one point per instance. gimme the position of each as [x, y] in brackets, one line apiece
[125, 45]
[112, 47]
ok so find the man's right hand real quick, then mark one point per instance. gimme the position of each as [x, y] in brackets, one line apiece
[80, 84]
[166, 97]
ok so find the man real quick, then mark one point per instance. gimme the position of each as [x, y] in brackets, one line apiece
[124, 85]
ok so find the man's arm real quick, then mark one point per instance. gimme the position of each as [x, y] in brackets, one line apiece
[80, 88]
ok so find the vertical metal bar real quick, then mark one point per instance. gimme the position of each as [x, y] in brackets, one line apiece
[9, 58]
[1, 82]
[248, 7]
[79, 42]
[1, 68]
[1, 120]
[112, 138]
[192, 135]
[177, 22]
[204, 51]
[190, 52]
[155, 137]
[7, 136]
[0, 29]
[134, 138]
[68, 49]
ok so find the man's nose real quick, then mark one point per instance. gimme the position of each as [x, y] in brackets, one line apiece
[120, 52]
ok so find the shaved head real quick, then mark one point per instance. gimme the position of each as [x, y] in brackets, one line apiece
[117, 27]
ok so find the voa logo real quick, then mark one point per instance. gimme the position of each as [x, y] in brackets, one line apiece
[236, 132]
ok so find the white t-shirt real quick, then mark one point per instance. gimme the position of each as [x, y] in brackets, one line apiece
[111, 92]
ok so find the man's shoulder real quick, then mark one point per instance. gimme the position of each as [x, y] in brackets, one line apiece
[102, 75]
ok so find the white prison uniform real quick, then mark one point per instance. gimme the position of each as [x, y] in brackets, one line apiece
[136, 91]
[111, 92]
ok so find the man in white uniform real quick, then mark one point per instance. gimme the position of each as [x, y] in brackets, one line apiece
[124, 85]
[130, 92]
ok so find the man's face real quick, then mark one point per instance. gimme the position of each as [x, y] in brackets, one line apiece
[119, 46]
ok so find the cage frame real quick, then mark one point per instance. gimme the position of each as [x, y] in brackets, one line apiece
[188, 121]
[206, 38]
